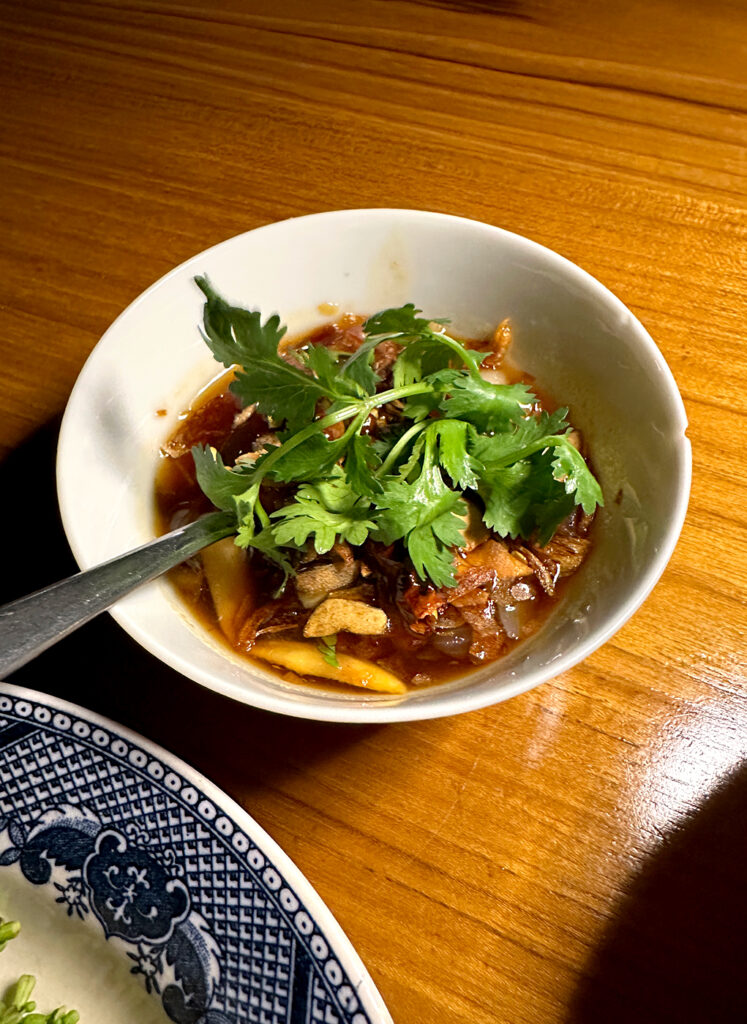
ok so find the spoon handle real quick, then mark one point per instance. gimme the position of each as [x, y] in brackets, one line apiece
[31, 624]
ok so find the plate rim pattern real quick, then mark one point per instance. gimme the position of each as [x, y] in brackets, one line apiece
[313, 926]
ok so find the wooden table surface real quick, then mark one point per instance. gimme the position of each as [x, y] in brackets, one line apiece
[575, 854]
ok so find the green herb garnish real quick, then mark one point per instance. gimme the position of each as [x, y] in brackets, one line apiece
[328, 648]
[457, 436]
[17, 1007]
[8, 930]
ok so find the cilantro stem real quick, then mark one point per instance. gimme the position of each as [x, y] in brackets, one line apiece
[429, 454]
[361, 410]
[420, 388]
[303, 435]
[399, 447]
[550, 441]
[472, 362]
[260, 513]
[354, 426]
[362, 349]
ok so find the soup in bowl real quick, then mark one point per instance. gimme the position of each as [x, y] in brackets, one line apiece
[445, 588]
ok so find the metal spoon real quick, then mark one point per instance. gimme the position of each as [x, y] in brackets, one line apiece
[31, 624]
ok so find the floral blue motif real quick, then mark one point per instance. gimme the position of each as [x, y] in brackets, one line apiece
[148, 963]
[131, 893]
[73, 895]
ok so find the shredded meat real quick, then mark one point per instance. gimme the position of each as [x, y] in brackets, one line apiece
[485, 576]
[383, 357]
[545, 571]
[487, 565]
[281, 614]
[345, 335]
[209, 424]
[488, 639]
[333, 432]
[567, 552]
[425, 602]
[500, 343]
[562, 555]
[342, 550]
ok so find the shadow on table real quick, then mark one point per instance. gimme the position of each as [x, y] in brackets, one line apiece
[101, 668]
[677, 949]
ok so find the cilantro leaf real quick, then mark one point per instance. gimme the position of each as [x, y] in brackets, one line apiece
[335, 492]
[309, 460]
[358, 368]
[450, 442]
[428, 531]
[569, 467]
[489, 407]
[519, 439]
[403, 320]
[425, 350]
[361, 462]
[221, 484]
[532, 477]
[280, 391]
[356, 379]
[237, 491]
[419, 407]
[407, 469]
[419, 359]
[323, 365]
[507, 498]
[325, 511]
[425, 515]
[548, 502]
[432, 559]
[453, 438]
[236, 336]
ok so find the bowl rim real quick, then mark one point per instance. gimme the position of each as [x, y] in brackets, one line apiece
[449, 702]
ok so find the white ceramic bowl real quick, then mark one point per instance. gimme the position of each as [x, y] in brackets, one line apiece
[578, 340]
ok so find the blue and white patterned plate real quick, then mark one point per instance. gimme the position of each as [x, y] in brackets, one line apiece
[147, 858]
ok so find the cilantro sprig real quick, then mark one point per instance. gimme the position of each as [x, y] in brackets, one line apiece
[457, 435]
[425, 514]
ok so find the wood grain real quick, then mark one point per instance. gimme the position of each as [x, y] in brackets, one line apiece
[575, 854]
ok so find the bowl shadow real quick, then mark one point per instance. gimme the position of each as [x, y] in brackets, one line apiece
[677, 948]
[101, 668]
